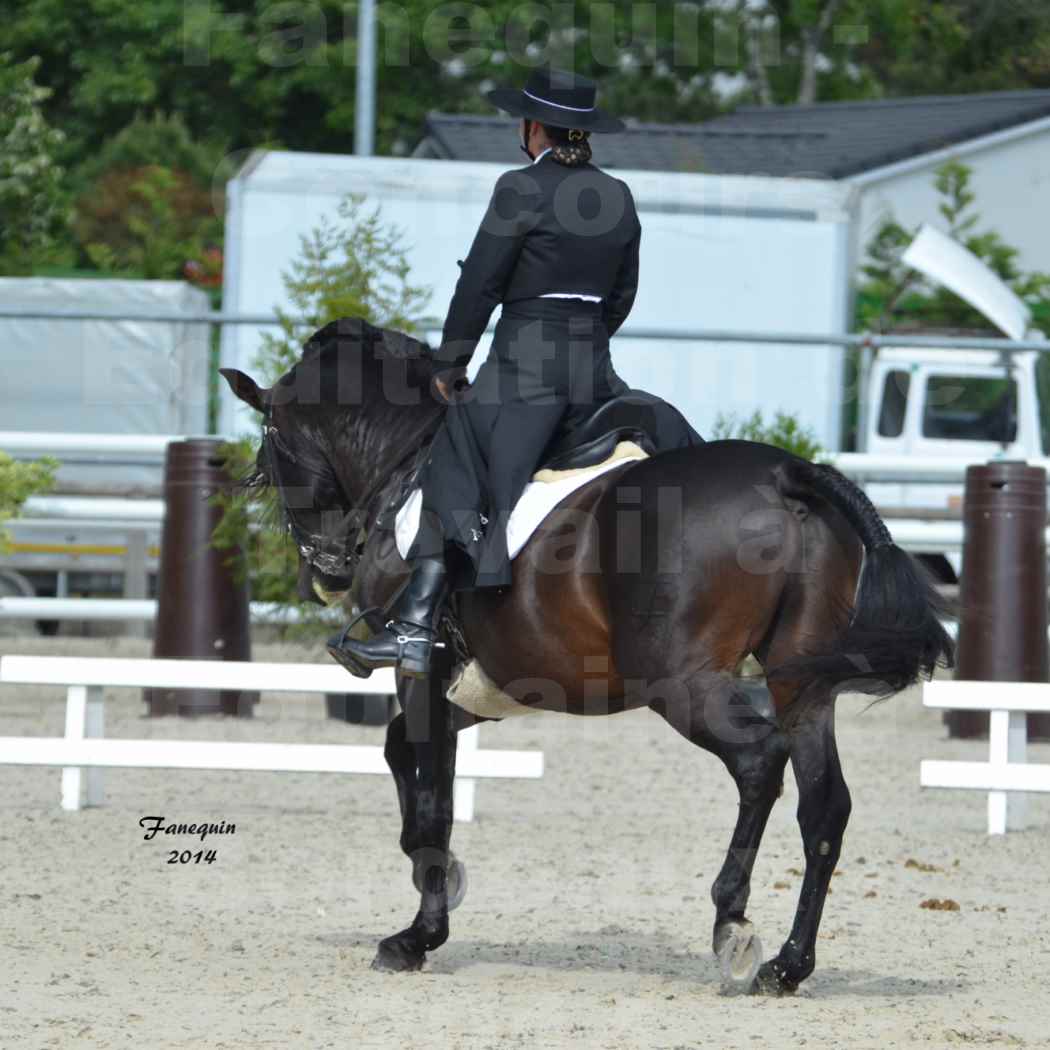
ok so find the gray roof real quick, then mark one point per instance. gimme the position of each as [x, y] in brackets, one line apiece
[826, 140]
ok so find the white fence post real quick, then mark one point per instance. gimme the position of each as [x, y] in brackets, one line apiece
[76, 724]
[1007, 775]
[1007, 742]
[94, 729]
[463, 787]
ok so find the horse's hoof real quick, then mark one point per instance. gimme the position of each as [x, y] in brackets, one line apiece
[457, 883]
[739, 953]
[455, 876]
[394, 956]
[770, 981]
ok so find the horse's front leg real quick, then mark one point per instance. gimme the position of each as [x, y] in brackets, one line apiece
[423, 750]
[823, 812]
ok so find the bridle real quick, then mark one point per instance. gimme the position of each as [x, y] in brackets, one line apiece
[326, 553]
[333, 554]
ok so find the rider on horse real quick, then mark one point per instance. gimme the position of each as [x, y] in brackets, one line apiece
[558, 248]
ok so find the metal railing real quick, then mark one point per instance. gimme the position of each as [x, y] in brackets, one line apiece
[870, 340]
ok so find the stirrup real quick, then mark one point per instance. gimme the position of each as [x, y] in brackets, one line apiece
[344, 656]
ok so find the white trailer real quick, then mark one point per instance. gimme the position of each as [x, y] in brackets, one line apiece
[718, 252]
[74, 389]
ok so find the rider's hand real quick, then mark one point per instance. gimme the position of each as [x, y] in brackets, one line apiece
[449, 381]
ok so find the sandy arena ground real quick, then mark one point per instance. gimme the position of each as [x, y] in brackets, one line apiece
[587, 921]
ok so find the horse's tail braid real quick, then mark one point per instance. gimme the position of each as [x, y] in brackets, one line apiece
[895, 632]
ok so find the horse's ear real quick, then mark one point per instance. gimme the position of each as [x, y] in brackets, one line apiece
[245, 388]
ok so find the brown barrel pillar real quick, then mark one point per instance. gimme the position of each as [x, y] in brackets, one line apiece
[1003, 617]
[202, 606]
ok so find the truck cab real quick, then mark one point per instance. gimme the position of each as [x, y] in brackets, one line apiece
[965, 403]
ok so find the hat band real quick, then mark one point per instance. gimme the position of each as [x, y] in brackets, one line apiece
[558, 105]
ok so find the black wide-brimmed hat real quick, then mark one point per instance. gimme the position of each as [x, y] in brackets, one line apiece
[557, 98]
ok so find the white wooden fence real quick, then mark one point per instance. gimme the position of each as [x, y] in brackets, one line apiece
[1006, 773]
[84, 751]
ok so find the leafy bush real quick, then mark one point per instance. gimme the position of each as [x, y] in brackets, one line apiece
[146, 221]
[148, 202]
[19, 481]
[160, 139]
[356, 267]
[785, 432]
[33, 210]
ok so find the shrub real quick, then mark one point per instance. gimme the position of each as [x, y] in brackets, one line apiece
[159, 139]
[19, 481]
[146, 221]
[785, 432]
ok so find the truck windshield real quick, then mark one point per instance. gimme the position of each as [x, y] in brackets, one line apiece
[970, 408]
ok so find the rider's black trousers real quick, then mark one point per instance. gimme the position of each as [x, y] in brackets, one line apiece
[548, 367]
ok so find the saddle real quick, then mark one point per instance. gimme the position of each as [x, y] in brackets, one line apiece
[638, 416]
[650, 422]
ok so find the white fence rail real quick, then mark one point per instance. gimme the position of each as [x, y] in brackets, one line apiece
[134, 610]
[84, 752]
[66, 445]
[1006, 773]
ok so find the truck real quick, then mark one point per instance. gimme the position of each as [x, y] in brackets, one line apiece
[962, 405]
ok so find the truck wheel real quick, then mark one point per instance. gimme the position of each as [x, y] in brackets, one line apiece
[363, 709]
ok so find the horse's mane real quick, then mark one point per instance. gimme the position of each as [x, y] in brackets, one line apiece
[377, 379]
[376, 348]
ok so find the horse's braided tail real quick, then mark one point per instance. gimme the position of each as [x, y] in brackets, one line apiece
[895, 632]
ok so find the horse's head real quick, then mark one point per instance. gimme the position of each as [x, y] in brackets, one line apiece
[316, 511]
[333, 428]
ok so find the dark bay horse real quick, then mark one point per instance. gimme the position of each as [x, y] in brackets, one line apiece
[646, 587]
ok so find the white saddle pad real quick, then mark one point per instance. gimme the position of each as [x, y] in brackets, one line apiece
[546, 490]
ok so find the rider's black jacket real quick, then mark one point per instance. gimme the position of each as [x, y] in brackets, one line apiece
[548, 228]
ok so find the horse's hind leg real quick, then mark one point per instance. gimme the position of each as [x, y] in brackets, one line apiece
[421, 751]
[823, 812]
[719, 716]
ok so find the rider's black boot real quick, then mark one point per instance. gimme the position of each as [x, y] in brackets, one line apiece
[410, 633]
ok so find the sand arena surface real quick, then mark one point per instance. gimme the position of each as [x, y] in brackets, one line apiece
[587, 922]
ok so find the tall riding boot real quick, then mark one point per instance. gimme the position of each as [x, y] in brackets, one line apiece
[411, 628]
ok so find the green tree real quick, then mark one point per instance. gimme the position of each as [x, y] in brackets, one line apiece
[894, 294]
[162, 138]
[804, 51]
[33, 210]
[354, 267]
[248, 72]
